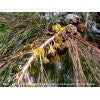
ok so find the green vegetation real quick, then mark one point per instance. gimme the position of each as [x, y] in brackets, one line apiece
[68, 59]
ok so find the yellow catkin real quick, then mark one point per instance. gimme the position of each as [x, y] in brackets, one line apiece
[51, 51]
[39, 52]
[57, 28]
[56, 45]
[45, 60]
[63, 29]
[58, 39]
[65, 44]
[55, 59]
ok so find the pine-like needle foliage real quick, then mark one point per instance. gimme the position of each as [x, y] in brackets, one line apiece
[32, 54]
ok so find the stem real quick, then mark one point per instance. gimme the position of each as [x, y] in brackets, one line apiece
[26, 66]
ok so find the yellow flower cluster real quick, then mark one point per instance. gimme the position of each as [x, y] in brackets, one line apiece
[51, 51]
[63, 29]
[57, 28]
[39, 52]
[65, 44]
[58, 39]
[55, 59]
[56, 45]
[45, 60]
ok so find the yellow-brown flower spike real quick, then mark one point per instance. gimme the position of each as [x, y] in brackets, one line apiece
[39, 52]
[58, 39]
[55, 59]
[66, 44]
[45, 60]
[63, 29]
[56, 28]
[51, 51]
[56, 45]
